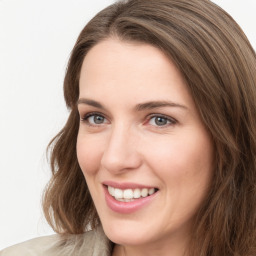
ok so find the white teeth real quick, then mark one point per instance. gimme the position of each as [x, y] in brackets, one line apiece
[124, 200]
[118, 193]
[127, 195]
[111, 190]
[144, 192]
[136, 193]
[151, 191]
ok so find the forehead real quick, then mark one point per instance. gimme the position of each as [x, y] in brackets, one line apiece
[111, 54]
[131, 70]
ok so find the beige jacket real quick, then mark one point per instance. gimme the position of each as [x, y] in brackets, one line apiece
[92, 243]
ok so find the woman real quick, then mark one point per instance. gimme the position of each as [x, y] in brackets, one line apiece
[158, 154]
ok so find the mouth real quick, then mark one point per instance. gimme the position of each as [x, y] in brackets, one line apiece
[129, 195]
[127, 198]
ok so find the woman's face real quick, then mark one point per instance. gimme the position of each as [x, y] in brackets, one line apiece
[142, 139]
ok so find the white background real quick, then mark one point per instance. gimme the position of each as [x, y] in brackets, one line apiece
[36, 38]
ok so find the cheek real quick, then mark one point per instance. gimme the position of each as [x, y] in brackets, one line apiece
[88, 155]
[183, 160]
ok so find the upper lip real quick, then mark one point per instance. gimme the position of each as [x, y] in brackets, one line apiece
[125, 185]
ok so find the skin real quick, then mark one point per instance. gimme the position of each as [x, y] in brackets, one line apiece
[173, 153]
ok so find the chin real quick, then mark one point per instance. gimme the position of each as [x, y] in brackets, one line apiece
[127, 234]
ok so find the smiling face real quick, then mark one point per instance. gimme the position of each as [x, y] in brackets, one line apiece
[143, 149]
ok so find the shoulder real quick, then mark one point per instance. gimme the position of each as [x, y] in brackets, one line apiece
[90, 243]
[93, 243]
[36, 246]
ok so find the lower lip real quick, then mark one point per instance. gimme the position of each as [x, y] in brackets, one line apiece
[127, 207]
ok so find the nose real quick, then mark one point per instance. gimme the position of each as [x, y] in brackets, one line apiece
[121, 154]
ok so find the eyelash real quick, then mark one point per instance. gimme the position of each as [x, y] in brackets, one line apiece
[87, 116]
[171, 121]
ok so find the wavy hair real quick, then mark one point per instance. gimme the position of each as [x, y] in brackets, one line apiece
[219, 65]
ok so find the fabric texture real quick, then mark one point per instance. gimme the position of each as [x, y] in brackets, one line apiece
[91, 243]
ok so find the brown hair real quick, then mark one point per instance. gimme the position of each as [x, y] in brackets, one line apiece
[219, 65]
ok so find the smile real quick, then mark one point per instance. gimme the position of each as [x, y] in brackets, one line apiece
[127, 198]
[128, 195]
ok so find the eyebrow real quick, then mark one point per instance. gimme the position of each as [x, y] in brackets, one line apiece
[139, 107]
[90, 102]
[158, 104]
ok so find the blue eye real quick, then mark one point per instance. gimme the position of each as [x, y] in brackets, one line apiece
[94, 119]
[161, 121]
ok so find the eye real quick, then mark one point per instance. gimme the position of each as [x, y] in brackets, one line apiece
[159, 120]
[94, 119]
